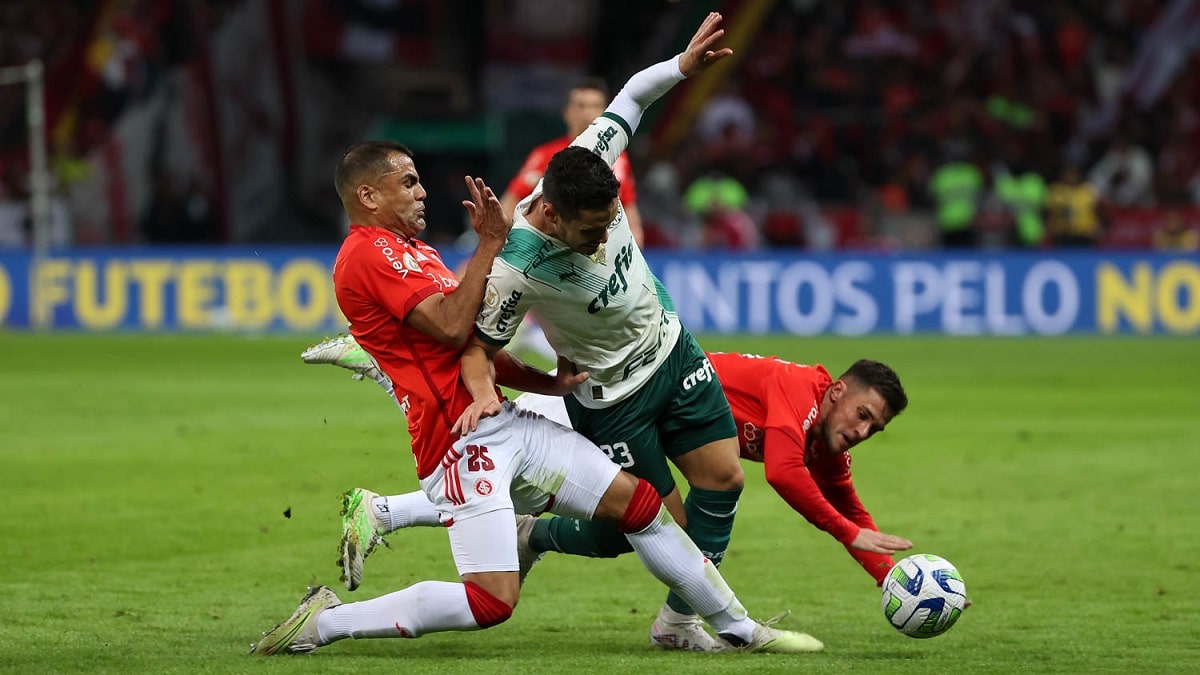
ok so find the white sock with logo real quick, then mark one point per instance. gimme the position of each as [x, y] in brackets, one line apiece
[407, 510]
[665, 549]
[425, 607]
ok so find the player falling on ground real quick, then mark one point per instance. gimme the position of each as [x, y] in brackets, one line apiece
[795, 419]
[410, 313]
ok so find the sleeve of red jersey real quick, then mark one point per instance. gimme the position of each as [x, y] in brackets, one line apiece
[838, 489]
[394, 286]
[522, 184]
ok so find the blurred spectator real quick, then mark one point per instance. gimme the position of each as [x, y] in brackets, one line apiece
[1072, 210]
[1023, 192]
[583, 104]
[1176, 235]
[665, 222]
[720, 201]
[957, 188]
[1124, 174]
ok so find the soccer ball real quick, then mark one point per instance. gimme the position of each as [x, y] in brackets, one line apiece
[923, 595]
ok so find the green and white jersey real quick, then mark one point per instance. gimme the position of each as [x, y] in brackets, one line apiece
[606, 312]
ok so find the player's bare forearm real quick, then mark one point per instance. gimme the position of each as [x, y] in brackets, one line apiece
[478, 370]
[511, 371]
[478, 373]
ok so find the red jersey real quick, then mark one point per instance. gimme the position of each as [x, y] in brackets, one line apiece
[782, 399]
[378, 278]
[531, 171]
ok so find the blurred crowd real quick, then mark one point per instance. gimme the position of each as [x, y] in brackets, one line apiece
[990, 122]
[860, 123]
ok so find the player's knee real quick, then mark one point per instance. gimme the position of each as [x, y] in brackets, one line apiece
[733, 478]
[644, 506]
[715, 466]
[488, 609]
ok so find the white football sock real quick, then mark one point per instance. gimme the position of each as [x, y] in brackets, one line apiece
[407, 510]
[425, 607]
[673, 559]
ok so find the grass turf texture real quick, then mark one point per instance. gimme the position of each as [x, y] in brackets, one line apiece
[145, 483]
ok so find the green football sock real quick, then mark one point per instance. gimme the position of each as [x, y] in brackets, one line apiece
[578, 537]
[710, 525]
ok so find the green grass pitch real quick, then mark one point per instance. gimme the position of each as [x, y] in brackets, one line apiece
[145, 480]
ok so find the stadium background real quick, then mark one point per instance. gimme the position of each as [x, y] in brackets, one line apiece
[818, 150]
[156, 421]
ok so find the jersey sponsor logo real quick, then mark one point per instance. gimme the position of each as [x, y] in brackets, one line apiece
[602, 141]
[508, 309]
[648, 356]
[702, 374]
[751, 445]
[381, 242]
[812, 417]
[399, 263]
[617, 283]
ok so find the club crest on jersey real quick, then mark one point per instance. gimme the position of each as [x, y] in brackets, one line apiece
[483, 487]
[491, 297]
[411, 263]
[617, 283]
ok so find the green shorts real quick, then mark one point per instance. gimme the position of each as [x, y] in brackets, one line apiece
[680, 408]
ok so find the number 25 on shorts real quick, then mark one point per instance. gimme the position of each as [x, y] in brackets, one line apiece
[478, 460]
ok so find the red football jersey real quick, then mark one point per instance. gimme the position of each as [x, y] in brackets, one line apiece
[770, 395]
[379, 277]
[531, 171]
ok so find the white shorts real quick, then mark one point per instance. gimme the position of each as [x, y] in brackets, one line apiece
[515, 462]
[551, 407]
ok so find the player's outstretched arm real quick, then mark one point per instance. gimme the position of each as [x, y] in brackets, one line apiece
[648, 85]
[512, 372]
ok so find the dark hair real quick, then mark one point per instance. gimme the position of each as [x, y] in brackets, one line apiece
[364, 161]
[590, 84]
[882, 379]
[578, 179]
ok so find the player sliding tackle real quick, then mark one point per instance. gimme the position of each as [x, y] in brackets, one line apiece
[395, 291]
[795, 419]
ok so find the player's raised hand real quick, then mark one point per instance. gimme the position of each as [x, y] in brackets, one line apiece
[878, 542]
[700, 53]
[487, 216]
